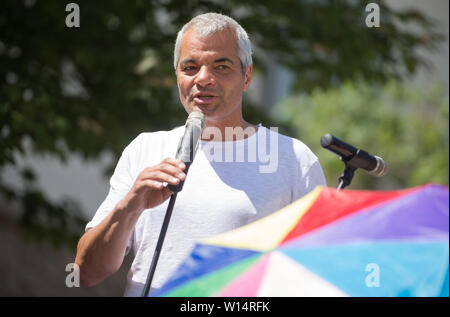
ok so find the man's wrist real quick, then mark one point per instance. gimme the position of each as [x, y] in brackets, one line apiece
[125, 208]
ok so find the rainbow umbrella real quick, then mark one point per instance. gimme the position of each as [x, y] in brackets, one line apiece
[328, 243]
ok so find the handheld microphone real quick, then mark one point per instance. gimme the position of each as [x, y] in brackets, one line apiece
[353, 156]
[187, 147]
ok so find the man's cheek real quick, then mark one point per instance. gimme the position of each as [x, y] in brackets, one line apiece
[184, 95]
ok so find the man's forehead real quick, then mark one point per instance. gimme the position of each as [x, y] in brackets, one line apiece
[219, 45]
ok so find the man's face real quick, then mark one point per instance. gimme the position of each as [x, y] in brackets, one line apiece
[210, 78]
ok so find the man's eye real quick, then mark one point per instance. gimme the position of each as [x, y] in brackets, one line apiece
[222, 67]
[188, 68]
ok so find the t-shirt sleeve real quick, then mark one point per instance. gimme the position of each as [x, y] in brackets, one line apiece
[120, 184]
[310, 173]
[314, 177]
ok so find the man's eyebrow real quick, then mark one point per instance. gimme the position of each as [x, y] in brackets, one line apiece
[223, 59]
[218, 60]
[188, 60]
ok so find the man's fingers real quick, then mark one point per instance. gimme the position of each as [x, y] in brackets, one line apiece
[169, 171]
[173, 171]
[162, 177]
[164, 168]
[175, 162]
[153, 184]
[165, 191]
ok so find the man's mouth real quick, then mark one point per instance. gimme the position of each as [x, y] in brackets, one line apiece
[204, 98]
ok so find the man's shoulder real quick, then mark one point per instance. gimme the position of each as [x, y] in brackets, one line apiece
[162, 134]
[292, 150]
[299, 147]
[157, 136]
[153, 145]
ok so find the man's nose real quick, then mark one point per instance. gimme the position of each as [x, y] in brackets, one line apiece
[204, 77]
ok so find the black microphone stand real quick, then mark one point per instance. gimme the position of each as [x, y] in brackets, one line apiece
[162, 234]
[351, 165]
[159, 244]
[346, 177]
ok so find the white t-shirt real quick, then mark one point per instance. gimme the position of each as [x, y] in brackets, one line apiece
[229, 184]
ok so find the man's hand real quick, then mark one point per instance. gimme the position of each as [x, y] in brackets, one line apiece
[148, 190]
[101, 250]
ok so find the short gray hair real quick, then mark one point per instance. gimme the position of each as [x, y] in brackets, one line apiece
[210, 23]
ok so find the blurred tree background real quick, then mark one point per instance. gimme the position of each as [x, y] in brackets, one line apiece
[92, 89]
[403, 123]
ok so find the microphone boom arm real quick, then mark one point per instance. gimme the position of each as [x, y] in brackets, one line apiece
[347, 176]
[353, 159]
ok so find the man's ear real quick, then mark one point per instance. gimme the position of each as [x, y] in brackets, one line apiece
[248, 77]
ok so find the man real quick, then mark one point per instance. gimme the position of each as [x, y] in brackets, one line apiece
[213, 65]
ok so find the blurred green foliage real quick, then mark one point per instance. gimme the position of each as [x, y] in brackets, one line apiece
[92, 89]
[403, 123]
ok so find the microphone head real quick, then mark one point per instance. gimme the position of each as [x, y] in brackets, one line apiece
[337, 146]
[187, 147]
[380, 169]
[326, 140]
